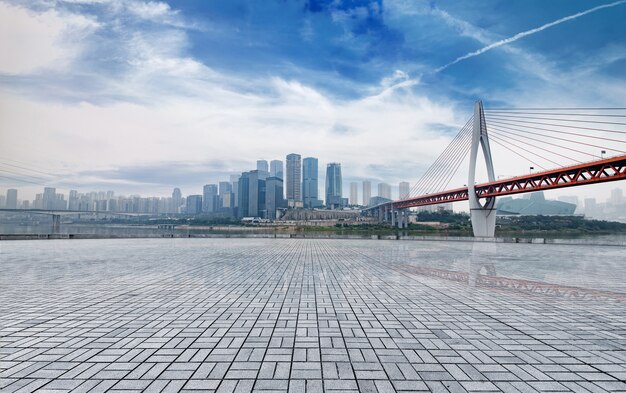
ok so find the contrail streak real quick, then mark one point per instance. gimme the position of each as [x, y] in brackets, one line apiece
[527, 33]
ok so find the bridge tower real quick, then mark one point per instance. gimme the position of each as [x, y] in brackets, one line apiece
[483, 216]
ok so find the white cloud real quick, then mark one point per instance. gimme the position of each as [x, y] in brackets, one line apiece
[31, 41]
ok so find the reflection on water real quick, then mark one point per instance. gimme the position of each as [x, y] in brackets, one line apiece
[572, 271]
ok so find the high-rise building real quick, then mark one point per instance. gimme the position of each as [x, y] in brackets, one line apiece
[591, 207]
[3, 202]
[384, 190]
[234, 180]
[243, 193]
[176, 200]
[226, 197]
[38, 202]
[310, 183]
[354, 193]
[276, 169]
[209, 198]
[333, 186]
[11, 202]
[73, 200]
[293, 179]
[261, 166]
[404, 189]
[194, 204]
[251, 195]
[273, 196]
[367, 192]
[617, 196]
[49, 198]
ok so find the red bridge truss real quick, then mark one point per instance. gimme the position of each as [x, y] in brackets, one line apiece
[601, 171]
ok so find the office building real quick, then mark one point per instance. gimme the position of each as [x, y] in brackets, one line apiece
[310, 183]
[73, 200]
[49, 198]
[226, 197]
[234, 180]
[251, 195]
[276, 169]
[333, 186]
[11, 201]
[354, 193]
[176, 200]
[404, 190]
[384, 190]
[261, 166]
[274, 198]
[617, 196]
[194, 204]
[367, 192]
[209, 198]
[293, 189]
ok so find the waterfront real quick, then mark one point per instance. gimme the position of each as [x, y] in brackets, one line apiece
[310, 315]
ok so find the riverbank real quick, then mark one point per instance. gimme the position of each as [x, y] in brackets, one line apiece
[317, 235]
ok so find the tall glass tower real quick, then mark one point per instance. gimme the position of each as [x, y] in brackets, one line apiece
[309, 182]
[293, 190]
[333, 186]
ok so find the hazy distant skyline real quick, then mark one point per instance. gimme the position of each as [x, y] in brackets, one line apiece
[141, 97]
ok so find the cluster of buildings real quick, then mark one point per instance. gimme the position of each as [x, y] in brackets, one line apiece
[273, 191]
[265, 192]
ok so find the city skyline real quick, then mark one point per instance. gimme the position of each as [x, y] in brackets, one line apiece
[388, 114]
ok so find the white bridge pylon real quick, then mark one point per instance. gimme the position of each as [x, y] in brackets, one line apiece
[483, 216]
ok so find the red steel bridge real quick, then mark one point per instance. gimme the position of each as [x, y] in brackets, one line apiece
[572, 140]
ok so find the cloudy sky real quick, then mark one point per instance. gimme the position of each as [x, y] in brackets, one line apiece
[140, 97]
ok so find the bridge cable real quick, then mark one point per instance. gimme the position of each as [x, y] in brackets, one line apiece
[526, 150]
[506, 126]
[430, 184]
[425, 185]
[434, 167]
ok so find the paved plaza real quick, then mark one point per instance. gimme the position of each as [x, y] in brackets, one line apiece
[295, 315]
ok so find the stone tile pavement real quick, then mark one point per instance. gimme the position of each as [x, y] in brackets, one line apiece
[295, 315]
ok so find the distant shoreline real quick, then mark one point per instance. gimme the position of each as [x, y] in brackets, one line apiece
[508, 240]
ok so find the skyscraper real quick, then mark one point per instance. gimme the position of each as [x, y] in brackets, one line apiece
[194, 204]
[310, 183]
[384, 190]
[354, 193]
[234, 180]
[404, 189]
[251, 195]
[209, 198]
[261, 166]
[294, 178]
[11, 202]
[617, 196]
[367, 192]
[273, 196]
[225, 197]
[276, 169]
[49, 198]
[73, 200]
[333, 186]
[176, 200]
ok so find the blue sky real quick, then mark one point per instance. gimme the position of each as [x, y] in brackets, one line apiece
[105, 94]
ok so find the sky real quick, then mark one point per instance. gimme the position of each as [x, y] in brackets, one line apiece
[143, 96]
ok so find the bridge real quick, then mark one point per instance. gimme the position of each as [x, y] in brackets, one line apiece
[56, 214]
[525, 133]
